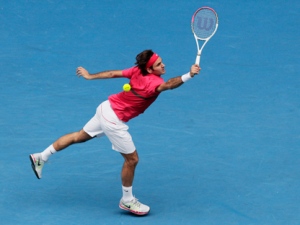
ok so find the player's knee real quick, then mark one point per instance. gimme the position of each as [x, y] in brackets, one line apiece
[133, 160]
[80, 137]
[76, 138]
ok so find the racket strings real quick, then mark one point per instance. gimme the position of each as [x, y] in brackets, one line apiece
[204, 23]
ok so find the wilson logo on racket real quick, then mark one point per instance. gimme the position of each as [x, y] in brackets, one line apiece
[205, 24]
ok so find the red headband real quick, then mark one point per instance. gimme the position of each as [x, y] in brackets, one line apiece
[152, 60]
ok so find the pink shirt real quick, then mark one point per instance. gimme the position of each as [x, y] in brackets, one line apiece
[128, 105]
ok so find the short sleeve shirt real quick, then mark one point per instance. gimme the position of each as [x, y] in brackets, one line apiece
[143, 93]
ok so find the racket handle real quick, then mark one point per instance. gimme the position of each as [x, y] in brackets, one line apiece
[197, 60]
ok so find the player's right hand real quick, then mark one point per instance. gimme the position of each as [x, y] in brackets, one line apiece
[195, 69]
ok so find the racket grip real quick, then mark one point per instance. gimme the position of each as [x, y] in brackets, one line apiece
[197, 60]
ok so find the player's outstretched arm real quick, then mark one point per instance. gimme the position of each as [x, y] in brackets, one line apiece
[175, 82]
[82, 72]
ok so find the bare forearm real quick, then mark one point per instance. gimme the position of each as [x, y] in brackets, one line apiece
[101, 75]
[178, 81]
[104, 75]
[174, 82]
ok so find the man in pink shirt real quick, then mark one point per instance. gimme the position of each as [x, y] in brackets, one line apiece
[111, 117]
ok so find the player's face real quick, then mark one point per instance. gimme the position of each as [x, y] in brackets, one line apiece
[158, 67]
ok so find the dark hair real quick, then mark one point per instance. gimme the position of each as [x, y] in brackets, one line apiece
[142, 59]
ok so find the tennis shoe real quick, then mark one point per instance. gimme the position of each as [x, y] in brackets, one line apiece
[37, 164]
[135, 207]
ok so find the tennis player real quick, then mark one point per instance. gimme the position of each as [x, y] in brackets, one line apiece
[111, 117]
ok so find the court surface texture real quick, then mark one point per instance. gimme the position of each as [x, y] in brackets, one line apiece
[221, 149]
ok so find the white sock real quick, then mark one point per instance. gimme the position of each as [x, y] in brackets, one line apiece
[127, 194]
[47, 152]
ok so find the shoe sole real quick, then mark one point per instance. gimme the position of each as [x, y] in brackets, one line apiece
[134, 212]
[33, 166]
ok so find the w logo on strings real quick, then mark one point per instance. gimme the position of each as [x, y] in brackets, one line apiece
[205, 23]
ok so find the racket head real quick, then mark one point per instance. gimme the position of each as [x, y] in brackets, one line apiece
[204, 23]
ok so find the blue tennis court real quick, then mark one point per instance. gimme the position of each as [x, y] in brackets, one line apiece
[221, 149]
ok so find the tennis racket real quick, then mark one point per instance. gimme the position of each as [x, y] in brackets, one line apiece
[204, 26]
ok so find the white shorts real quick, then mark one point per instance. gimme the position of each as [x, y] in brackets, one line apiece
[106, 122]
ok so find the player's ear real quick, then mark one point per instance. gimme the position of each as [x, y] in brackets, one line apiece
[149, 70]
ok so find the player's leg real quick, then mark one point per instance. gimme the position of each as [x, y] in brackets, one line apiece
[127, 174]
[117, 132]
[69, 139]
[90, 130]
[128, 201]
[38, 159]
